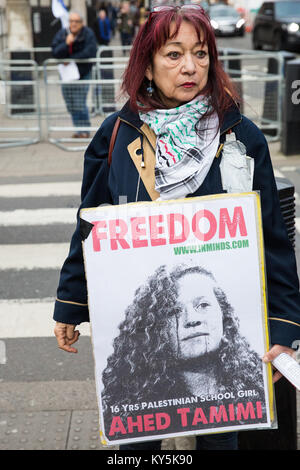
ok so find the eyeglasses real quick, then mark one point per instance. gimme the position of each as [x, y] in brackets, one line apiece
[190, 6]
[157, 9]
[75, 21]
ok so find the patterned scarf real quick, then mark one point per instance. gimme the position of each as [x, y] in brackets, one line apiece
[187, 142]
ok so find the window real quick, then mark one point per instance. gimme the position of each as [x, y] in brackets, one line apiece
[287, 9]
[268, 9]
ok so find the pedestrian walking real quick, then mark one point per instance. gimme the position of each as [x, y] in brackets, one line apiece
[77, 42]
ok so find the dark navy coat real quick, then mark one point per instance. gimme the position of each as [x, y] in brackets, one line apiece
[84, 47]
[104, 184]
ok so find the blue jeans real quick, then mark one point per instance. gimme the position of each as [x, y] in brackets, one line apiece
[222, 441]
[75, 96]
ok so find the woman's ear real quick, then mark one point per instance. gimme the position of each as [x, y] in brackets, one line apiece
[148, 73]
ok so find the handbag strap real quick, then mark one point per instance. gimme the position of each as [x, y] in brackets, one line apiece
[113, 140]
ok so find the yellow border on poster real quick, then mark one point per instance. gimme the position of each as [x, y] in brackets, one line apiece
[261, 260]
[264, 292]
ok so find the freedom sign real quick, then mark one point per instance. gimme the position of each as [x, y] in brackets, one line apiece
[178, 311]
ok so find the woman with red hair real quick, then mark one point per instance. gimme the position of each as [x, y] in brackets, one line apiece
[181, 134]
[162, 26]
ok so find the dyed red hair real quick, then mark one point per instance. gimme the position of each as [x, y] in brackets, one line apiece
[152, 36]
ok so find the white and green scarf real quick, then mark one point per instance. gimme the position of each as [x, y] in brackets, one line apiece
[187, 142]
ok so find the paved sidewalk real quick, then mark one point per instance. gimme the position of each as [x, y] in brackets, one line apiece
[61, 415]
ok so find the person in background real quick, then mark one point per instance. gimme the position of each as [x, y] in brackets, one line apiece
[144, 13]
[135, 11]
[126, 24]
[78, 42]
[112, 16]
[102, 28]
[104, 93]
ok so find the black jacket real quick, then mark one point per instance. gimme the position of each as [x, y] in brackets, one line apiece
[103, 184]
[84, 47]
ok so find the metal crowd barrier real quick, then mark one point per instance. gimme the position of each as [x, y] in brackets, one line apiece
[20, 99]
[119, 53]
[110, 65]
[45, 97]
[261, 91]
[102, 98]
[37, 54]
[72, 107]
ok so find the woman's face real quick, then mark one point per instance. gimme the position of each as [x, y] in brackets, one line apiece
[180, 67]
[200, 318]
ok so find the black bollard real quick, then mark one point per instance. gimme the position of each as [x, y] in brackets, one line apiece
[235, 71]
[286, 193]
[271, 105]
[290, 143]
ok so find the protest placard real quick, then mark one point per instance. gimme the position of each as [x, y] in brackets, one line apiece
[178, 311]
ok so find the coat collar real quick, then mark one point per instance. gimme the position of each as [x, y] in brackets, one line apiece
[127, 114]
[231, 118]
[147, 171]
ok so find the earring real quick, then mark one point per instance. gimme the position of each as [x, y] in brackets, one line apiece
[150, 89]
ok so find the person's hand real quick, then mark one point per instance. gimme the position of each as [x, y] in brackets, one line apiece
[70, 39]
[274, 352]
[66, 336]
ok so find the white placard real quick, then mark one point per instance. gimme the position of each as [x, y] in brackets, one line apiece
[178, 312]
[68, 72]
